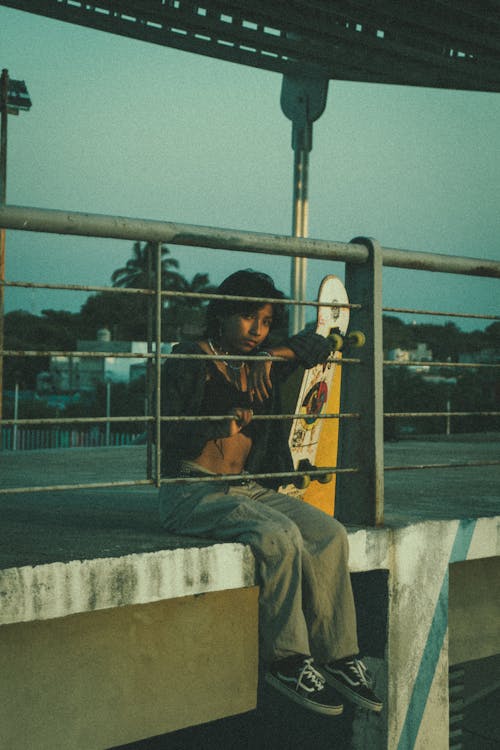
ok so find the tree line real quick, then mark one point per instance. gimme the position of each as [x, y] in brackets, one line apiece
[127, 315]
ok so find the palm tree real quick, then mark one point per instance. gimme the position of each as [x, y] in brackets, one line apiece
[136, 274]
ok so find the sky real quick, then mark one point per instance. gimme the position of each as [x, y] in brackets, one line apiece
[123, 127]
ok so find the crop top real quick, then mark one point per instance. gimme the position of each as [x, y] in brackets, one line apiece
[221, 397]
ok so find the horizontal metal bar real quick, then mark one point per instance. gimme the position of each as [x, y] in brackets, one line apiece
[238, 358]
[268, 417]
[204, 418]
[394, 363]
[78, 354]
[78, 486]
[435, 312]
[174, 294]
[73, 420]
[290, 475]
[442, 414]
[457, 465]
[178, 480]
[420, 261]
[77, 287]
[31, 219]
[274, 300]
[259, 417]
[233, 477]
[151, 355]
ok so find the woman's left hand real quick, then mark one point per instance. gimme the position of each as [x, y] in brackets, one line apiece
[259, 379]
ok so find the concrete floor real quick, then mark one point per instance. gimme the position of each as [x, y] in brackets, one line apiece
[41, 527]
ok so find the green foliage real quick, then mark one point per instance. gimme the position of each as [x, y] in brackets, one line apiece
[125, 315]
[138, 273]
[26, 332]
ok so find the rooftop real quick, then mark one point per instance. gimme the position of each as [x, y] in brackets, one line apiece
[54, 526]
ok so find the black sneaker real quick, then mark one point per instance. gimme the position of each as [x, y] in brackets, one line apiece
[299, 680]
[351, 678]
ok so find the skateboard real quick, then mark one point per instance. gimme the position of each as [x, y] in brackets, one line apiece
[313, 439]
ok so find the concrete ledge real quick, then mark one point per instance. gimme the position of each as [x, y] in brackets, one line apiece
[59, 589]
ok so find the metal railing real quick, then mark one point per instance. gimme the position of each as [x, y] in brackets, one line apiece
[362, 407]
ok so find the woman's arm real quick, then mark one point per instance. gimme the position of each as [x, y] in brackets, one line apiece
[306, 349]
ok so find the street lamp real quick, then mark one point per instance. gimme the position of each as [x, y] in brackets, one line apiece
[303, 100]
[14, 98]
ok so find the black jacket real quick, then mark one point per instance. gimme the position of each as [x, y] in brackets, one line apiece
[183, 384]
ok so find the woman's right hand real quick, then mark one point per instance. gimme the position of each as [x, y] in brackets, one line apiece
[242, 417]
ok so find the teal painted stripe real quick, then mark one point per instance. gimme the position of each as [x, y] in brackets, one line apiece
[432, 650]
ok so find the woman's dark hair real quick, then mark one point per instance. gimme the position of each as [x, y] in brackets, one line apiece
[247, 283]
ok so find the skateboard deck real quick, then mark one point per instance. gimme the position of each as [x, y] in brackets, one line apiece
[313, 440]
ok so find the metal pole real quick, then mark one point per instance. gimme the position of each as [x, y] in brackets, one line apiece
[360, 498]
[3, 148]
[149, 363]
[300, 228]
[108, 411]
[3, 198]
[159, 310]
[16, 415]
[303, 100]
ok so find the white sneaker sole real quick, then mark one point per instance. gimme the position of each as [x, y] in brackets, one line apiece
[351, 695]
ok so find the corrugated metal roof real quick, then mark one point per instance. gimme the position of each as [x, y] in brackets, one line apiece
[436, 43]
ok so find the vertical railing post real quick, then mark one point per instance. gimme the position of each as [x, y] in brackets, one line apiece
[4, 94]
[159, 312]
[149, 364]
[360, 496]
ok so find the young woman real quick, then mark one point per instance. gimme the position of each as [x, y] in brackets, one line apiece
[306, 607]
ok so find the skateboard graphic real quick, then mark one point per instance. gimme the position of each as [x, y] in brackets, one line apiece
[313, 440]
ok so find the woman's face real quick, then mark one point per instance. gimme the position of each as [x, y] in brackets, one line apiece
[241, 333]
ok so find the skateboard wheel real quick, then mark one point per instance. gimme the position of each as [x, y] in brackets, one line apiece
[356, 339]
[336, 341]
[302, 482]
[325, 478]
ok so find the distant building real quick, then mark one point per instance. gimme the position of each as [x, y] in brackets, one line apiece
[421, 353]
[68, 374]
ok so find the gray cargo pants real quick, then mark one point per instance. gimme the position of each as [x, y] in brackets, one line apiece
[305, 604]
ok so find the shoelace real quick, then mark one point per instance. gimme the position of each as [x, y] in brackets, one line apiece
[315, 679]
[358, 669]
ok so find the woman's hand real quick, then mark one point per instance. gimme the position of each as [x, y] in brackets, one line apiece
[242, 417]
[259, 379]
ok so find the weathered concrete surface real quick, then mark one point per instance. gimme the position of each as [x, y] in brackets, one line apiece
[59, 589]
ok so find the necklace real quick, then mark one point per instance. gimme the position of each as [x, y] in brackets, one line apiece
[236, 368]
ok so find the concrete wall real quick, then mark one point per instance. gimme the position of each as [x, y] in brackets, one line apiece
[474, 610]
[418, 638]
[105, 678]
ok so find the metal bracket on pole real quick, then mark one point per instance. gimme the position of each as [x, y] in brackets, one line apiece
[303, 100]
[360, 496]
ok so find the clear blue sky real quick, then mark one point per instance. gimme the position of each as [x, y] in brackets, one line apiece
[122, 127]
